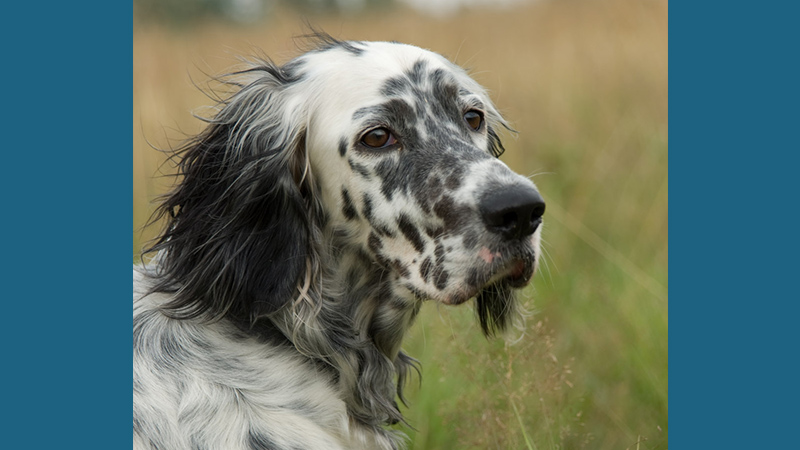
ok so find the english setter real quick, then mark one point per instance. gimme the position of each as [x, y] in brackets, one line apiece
[324, 201]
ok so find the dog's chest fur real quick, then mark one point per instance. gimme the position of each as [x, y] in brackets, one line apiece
[184, 369]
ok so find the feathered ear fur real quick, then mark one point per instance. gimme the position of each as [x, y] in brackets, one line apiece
[241, 219]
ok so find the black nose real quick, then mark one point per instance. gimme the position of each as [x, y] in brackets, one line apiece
[513, 212]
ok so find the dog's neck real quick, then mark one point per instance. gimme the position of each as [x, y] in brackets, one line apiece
[381, 312]
[364, 316]
[380, 308]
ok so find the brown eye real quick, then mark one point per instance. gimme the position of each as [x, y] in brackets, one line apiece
[474, 119]
[378, 138]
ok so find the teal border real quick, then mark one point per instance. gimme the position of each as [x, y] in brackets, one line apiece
[733, 227]
[66, 215]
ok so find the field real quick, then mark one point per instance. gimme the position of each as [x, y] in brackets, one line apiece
[585, 84]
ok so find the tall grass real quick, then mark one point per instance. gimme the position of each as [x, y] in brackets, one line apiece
[585, 84]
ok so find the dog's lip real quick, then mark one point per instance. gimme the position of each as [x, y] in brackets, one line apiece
[515, 273]
[519, 273]
[513, 268]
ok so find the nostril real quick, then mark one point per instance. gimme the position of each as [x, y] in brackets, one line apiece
[538, 211]
[535, 222]
[510, 219]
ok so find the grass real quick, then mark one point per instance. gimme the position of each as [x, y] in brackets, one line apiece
[585, 83]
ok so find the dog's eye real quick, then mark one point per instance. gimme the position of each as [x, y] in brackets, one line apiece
[474, 119]
[378, 138]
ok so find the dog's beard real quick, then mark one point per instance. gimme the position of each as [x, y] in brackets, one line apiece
[496, 306]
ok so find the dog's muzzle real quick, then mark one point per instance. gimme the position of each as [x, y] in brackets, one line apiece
[512, 214]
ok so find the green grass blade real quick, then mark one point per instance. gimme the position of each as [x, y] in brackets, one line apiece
[528, 441]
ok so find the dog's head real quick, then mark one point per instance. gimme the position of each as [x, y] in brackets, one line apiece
[405, 143]
[388, 147]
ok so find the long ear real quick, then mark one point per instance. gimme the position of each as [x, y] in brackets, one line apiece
[239, 222]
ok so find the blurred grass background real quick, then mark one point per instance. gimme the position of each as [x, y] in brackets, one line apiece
[585, 83]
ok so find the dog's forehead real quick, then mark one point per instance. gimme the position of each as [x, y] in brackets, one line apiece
[378, 60]
[404, 56]
[363, 69]
[353, 77]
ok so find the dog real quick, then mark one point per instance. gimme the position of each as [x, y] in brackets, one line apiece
[325, 200]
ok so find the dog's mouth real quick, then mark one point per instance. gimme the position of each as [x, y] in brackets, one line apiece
[519, 273]
[514, 267]
[515, 272]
